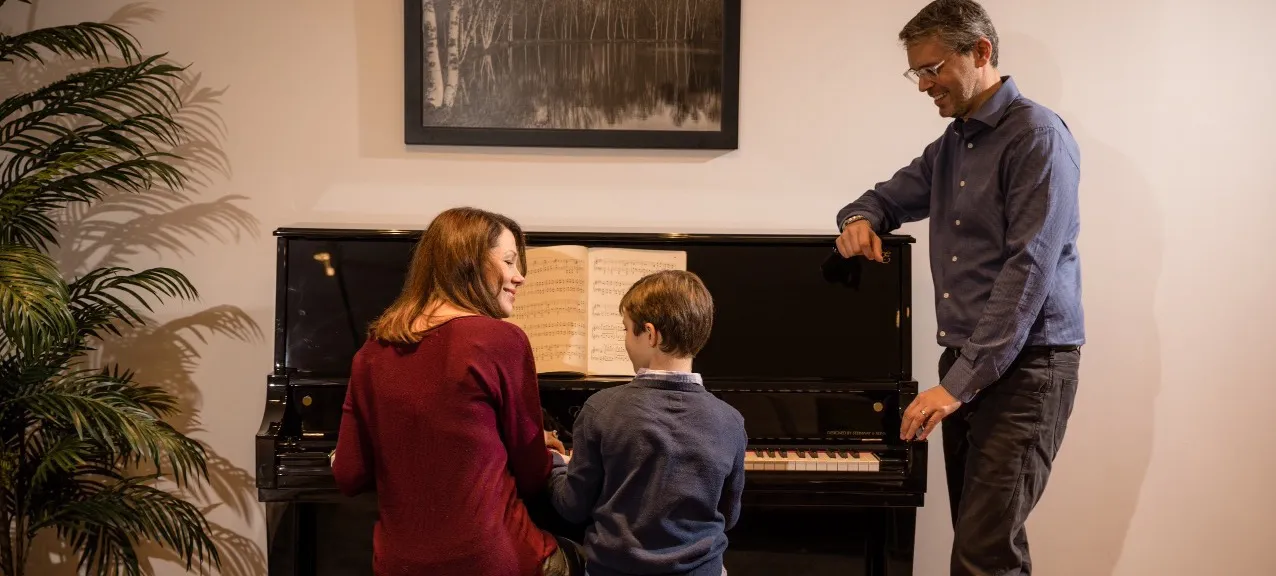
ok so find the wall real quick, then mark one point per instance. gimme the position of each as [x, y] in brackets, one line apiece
[1166, 462]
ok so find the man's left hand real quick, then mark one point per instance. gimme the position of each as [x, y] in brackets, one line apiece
[925, 412]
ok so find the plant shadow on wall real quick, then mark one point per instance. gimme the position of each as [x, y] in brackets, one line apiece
[106, 158]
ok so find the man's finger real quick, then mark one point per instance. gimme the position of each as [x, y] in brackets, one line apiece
[908, 427]
[877, 246]
[931, 423]
[843, 246]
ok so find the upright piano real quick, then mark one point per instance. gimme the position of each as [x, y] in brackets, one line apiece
[814, 351]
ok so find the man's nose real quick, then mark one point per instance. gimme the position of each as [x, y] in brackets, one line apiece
[924, 85]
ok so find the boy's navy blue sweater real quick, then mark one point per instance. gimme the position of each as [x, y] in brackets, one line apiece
[658, 467]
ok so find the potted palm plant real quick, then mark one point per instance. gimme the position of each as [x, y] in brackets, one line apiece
[85, 451]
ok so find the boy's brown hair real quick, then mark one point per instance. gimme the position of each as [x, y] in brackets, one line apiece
[677, 304]
[452, 263]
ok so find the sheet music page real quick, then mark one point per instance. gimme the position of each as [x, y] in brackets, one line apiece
[551, 308]
[611, 272]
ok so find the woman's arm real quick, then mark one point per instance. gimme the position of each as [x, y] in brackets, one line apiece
[522, 429]
[352, 464]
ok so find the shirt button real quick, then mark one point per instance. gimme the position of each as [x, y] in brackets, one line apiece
[963, 183]
[970, 144]
[958, 222]
[954, 258]
[945, 294]
[942, 333]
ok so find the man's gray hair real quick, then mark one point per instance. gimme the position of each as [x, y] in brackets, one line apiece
[959, 24]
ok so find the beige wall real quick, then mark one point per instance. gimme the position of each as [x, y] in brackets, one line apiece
[1166, 466]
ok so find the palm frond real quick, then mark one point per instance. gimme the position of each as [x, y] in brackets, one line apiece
[102, 407]
[33, 298]
[84, 40]
[96, 299]
[128, 136]
[24, 208]
[104, 94]
[109, 519]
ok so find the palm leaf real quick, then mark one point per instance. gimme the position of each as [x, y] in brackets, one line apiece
[84, 40]
[108, 518]
[102, 407]
[24, 207]
[96, 299]
[105, 94]
[33, 298]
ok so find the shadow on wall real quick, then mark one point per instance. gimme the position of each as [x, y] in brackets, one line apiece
[161, 222]
[1081, 524]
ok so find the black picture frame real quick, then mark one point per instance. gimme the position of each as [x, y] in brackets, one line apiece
[417, 132]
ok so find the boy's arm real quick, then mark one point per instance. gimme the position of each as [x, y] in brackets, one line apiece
[574, 486]
[733, 488]
[905, 197]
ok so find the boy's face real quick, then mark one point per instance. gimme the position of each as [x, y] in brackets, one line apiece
[640, 347]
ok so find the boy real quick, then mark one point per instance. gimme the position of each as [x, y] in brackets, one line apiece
[658, 463]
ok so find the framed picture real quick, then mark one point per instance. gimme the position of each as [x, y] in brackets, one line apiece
[572, 73]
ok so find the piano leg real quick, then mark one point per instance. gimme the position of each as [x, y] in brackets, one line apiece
[282, 539]
[823, 541]
[322, 538]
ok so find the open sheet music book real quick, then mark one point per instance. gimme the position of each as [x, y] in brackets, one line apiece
[570, 305]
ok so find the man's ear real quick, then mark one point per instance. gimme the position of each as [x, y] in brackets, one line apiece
[983, 52]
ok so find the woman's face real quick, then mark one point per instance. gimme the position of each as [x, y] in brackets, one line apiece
[505, 258]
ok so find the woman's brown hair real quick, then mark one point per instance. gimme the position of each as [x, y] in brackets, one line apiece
[450, 262]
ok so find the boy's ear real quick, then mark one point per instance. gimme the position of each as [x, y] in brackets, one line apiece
[653, 337]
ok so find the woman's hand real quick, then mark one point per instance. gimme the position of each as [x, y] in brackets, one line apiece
[553, 443]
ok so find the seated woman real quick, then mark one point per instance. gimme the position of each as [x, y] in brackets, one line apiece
[443, 418]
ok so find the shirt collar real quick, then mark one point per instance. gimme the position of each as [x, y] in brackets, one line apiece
[670, 376]
[994, 109]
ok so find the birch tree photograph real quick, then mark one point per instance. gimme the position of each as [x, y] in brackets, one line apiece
[610, 73]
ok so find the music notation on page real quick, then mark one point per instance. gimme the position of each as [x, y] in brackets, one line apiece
[569, 307]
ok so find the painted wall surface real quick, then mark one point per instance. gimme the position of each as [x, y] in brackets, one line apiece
[297, 107]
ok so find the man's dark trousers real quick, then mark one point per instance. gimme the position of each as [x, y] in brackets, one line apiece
[998, 452]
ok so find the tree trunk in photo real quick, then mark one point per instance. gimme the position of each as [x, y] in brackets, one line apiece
[433, 64]
[453, 53]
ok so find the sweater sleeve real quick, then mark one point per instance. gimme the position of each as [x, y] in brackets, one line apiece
[352, 465]
[575, 486]
[733, 490]
[519, 410]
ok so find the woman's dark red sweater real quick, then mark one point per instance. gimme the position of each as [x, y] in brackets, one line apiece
[449, 434]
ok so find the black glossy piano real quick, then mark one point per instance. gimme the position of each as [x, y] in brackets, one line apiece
[814, 350]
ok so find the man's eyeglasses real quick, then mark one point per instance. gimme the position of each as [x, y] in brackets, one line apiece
[931, 72]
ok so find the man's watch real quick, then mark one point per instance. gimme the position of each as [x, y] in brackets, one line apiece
[851, 219]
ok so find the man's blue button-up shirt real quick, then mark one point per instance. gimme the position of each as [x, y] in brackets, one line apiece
[1000, 189]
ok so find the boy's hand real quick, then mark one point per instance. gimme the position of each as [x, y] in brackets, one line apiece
[553, 443]
[859, 239]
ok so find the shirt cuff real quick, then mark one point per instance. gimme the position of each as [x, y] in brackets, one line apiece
[960, 380]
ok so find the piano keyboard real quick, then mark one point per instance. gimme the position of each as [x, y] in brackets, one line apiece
[823, 460]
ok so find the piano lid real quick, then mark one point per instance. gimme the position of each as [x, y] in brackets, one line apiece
[780, 313]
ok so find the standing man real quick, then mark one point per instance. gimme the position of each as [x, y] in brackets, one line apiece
[1000, 188]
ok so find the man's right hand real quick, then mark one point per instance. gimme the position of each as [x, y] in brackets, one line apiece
[859, 239]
